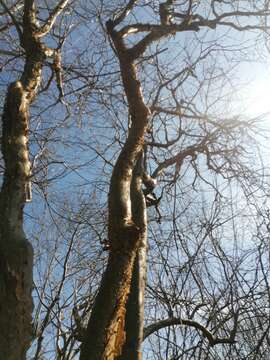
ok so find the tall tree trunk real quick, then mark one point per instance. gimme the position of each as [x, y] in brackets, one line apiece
[105, 335]
[16, 255]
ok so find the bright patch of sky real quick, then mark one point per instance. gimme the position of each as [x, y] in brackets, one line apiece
[255, 96]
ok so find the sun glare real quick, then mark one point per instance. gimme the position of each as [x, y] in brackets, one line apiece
[258, 97]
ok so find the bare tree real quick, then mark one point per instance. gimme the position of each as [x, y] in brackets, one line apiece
[16, 257]
[105, 334]
[153, 91]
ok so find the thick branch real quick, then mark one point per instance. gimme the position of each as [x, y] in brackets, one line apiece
[189, 23]
[52, 18]
[179, 158]
[150, 329]
[158, 33]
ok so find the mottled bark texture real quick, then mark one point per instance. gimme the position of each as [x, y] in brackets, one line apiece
[16, 255]
[15, 251]
[105, 335]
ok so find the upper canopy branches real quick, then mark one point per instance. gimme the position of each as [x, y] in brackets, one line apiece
[172, 17]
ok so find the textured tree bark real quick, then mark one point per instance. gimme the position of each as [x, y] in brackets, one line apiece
[15, 251]
[105, 335]
[135, 310]
[16, 255]
[110, 304]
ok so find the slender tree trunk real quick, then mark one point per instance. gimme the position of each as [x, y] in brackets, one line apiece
[135, 305]
[135, 310]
